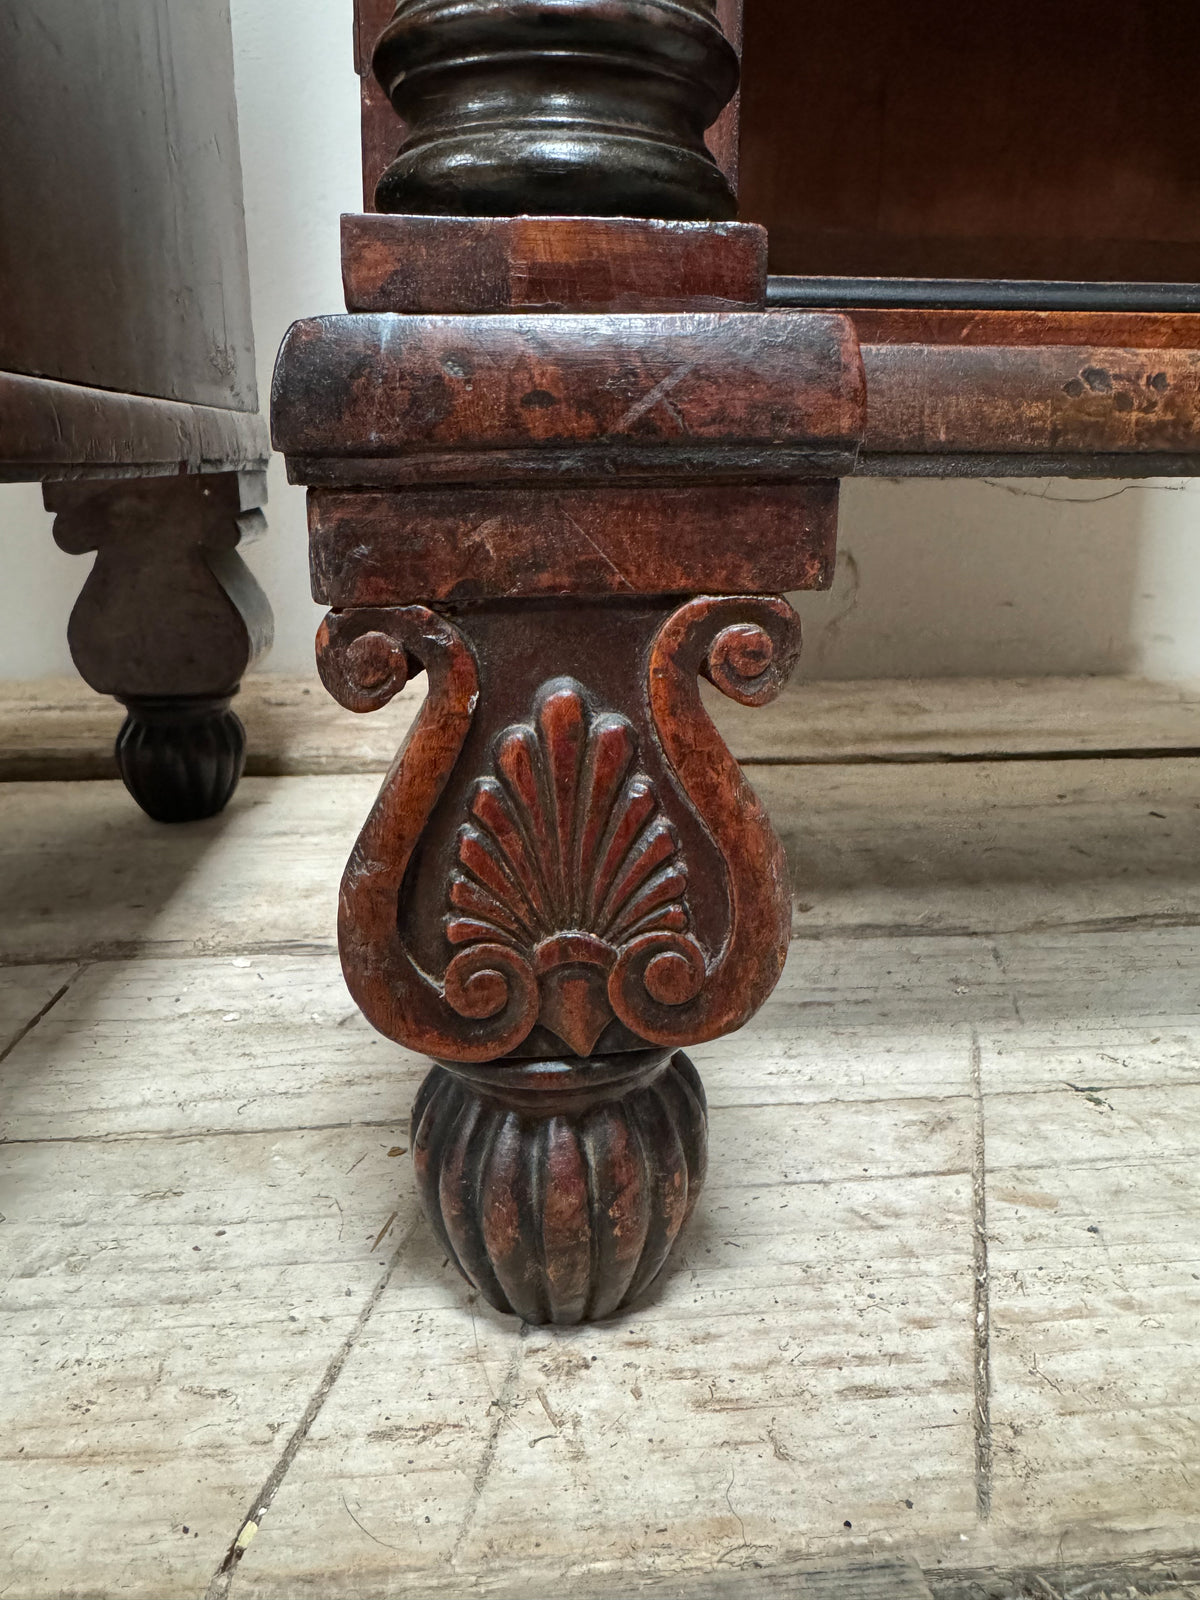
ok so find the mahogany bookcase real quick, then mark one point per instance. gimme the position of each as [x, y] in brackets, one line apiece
[580, 431]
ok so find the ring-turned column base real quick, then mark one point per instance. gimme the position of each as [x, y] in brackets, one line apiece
[558, 1187]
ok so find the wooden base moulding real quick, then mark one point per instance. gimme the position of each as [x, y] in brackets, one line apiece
[456, 545]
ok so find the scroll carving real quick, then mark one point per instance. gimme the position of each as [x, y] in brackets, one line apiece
[747, 648]
[567, 898]
[365, 658]
[565, 877]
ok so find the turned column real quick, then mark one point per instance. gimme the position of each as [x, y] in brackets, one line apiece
[564, 465]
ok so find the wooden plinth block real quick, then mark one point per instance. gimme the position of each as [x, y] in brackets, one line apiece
[375, 398]
[417, 264]
[558, 1187]
[372, 548]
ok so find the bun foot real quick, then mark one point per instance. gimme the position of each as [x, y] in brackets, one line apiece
[558, 1187]
[181, 756]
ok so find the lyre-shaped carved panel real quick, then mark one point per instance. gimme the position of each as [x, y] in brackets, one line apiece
[565, 894]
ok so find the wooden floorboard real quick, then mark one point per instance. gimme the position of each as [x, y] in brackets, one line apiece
[57, 728]
[931, 1332]
[976, 849]
[25, 994]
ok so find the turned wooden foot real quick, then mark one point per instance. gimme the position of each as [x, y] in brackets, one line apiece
[181, 756]
[167, 622]
[558, 1187]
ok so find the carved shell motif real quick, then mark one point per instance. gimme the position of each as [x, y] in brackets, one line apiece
[567, 858]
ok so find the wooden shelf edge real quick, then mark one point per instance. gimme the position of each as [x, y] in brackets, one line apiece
[50, 429]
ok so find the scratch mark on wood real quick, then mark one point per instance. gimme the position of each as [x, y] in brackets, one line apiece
[24, 1032]
[652, 397]
[222, 1578]
[608, 561]
[500, 1408]
[981, 1306]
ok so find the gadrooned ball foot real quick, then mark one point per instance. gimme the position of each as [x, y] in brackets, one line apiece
[181, 756]
[559, 1187]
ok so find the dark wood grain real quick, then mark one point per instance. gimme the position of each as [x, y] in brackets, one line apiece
[565, 876]
[122, 245]
[951, 140]
[461, 545]
[1127, 330]
[65, 430]
[130, 382]
[724, 137]
[383, 130]
[1031, 399]
[545, 264]
[168, 607]
[168, 621]
[599, 1164]
[377, 387]
[610, 838]
[180, 756]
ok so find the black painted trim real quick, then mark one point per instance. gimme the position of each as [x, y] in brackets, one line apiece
[978, 294]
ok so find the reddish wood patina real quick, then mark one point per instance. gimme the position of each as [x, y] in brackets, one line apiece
[559, 1187]
[563, 463]
[570, 395]
[597, 861]
[389, 547]
[1080, 400]
[542, 264]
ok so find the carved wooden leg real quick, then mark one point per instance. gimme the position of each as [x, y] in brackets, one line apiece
[564, 878]
[167, 622]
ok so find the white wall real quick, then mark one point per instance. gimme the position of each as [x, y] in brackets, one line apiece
[298, 124]
[1012, 577]
[937, 579]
